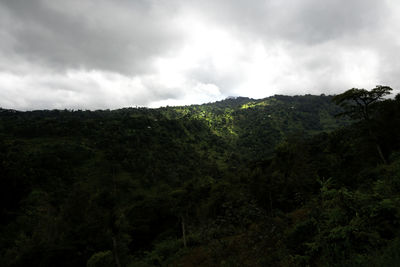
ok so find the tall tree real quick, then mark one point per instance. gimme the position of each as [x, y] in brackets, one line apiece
[360, 104]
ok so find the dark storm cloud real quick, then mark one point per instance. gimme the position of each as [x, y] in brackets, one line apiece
[108, 35]
[306, 21]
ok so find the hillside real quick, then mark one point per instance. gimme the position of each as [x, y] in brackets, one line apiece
[256, 126]
[278, 181]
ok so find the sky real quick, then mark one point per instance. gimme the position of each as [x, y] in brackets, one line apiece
[98, 54]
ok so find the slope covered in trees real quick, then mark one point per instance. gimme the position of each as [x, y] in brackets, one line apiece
[279, 181]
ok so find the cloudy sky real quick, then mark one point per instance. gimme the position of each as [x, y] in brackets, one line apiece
[96, 54]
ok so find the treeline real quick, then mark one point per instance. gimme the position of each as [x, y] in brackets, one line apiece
[242, 182]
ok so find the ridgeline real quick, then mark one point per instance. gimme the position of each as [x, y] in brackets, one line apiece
[280, 181]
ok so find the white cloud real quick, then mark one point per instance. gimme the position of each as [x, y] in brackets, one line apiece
[102, 54]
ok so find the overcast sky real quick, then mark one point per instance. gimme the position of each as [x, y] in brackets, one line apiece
[96, 54]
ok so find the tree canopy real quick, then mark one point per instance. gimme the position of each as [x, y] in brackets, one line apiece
[358, 103]
[278, 181]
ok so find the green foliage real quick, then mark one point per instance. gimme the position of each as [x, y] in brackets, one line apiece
[358, 103]
[272, 182]
[389, 256]
[101, 259]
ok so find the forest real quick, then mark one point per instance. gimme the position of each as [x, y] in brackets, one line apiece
[281, 181]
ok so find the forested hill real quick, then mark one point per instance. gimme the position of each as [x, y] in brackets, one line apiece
[258, 125]
[252, 126]
[278, 181]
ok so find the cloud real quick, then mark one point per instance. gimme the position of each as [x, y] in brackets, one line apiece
[119, 36]
[111, 54]
[304, 21]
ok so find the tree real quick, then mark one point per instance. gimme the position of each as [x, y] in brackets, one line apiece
[360, 104]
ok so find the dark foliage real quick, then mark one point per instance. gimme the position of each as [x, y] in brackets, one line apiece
[241, 182]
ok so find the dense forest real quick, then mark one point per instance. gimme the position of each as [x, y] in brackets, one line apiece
[282, 181]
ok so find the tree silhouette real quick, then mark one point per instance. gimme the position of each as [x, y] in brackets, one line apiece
[361, 104]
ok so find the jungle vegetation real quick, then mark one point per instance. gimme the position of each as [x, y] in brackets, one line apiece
[281, 181]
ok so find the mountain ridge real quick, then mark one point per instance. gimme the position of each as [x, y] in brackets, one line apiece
[214, 177]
